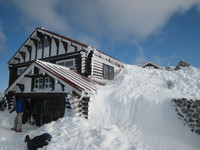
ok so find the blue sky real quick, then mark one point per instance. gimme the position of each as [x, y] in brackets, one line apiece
[133, 31]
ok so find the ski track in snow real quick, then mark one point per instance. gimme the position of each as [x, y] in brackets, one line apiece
[132, 112]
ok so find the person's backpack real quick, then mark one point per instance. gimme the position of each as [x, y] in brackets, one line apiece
[38, 141]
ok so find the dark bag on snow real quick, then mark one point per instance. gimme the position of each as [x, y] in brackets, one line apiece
[38, 141]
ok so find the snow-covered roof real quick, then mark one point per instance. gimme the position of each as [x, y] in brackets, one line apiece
[63, 74]
[148, 63]
[69, 76]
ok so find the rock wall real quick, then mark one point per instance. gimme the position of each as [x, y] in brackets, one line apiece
[189, 112]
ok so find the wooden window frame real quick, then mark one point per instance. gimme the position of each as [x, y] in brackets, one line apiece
[21, 70]
[108, 72]
[38, 83]
[48, 84]
[65, 61]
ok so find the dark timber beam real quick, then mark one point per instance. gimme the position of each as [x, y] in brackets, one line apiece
[36, 48]
[23, 54]
[32, 84]
[42, 40]
[50, 45]
[41, 36]
[35, 41]
[49, 40]
[29, 50]
[57, 44]
[35, 75]
[75, 47]
[15, 58]
[62, 85]
[53, 83]
[21, 87]
[65, 45]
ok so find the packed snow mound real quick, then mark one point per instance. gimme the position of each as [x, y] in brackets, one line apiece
[137, 84]
[131, 112]
[141, 97]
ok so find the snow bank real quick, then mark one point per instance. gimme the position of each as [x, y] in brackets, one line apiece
[10, 140]
[141, 97]
[132, 112]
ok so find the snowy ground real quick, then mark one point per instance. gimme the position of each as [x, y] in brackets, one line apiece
[133, 112]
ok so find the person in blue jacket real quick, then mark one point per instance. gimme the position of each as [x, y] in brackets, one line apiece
[19, 108]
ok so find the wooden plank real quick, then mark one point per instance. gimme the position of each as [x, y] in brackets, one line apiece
[98, 71]
[97, 74]
[98, 67]
[96, 62]
[78, 80]
[47, 95]
[35, 75]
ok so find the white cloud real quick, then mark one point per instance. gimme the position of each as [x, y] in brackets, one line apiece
[42, 12]
[89, 41]
[126, 19]
[140, 58]
[164, 60]
[116, 20]
[2, 40]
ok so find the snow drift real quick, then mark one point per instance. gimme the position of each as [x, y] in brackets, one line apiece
[132, 112]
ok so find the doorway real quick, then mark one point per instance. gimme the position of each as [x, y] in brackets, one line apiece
[41, 110]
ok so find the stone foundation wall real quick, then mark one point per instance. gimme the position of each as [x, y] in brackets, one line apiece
[189, 112]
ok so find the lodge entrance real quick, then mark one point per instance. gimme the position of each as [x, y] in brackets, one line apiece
[43, 109]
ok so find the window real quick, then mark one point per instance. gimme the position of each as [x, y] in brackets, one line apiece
[47, 83]
[21, 70]
[108, 72]
[67, 63]
[105, 71]
[43, 83]
[38, 84]
[111, 72]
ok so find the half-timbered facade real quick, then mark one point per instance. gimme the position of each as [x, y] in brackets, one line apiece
[54, 75]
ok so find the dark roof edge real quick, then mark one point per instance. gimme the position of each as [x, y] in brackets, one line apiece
[64, 37]
[61, 36]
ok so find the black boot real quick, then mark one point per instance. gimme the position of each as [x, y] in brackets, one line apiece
[27, 139]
